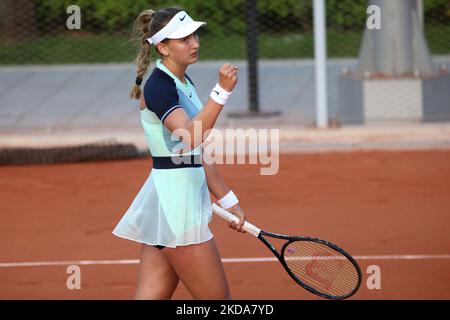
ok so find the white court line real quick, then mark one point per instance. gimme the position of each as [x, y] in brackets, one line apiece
[225, 260]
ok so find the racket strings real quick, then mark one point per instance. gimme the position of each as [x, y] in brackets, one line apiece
[323, 275]
[332, 287]
[326, 283]
[321, 268]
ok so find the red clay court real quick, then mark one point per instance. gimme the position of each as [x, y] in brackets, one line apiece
[389, 209]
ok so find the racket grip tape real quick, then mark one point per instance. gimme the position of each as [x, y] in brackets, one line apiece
[224, 214]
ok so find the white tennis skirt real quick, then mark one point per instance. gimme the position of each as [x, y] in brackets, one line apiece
[173, 208]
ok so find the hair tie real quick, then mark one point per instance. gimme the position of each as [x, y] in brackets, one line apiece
[138, 81]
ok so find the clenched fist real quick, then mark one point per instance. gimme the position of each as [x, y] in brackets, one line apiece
[228, 76]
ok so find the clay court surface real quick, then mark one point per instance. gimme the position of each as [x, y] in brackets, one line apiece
[390, 209]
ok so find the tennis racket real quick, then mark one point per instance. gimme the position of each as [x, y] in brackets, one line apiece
[317, 265]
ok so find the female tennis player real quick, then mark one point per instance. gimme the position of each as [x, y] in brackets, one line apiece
[171, 212]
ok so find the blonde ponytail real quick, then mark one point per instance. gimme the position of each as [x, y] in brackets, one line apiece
[142, 33]
[146, 25]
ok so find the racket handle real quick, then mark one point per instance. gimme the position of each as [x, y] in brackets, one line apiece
[224, 214]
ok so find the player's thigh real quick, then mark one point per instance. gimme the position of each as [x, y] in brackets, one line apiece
[200, 269]
[156, 277]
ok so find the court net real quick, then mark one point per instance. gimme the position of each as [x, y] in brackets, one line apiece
[98, 151]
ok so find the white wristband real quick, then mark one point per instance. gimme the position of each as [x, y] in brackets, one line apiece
[228, 201]
[220, 95]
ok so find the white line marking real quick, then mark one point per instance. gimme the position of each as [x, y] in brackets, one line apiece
[66, 263]
[405, 257]
[239, 260]
[366, 257]
[225, 260]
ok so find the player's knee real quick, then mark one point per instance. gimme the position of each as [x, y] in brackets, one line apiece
[161, 290]
[151, 294]
[222, 293]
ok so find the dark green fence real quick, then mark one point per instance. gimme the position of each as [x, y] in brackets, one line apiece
[35, 32]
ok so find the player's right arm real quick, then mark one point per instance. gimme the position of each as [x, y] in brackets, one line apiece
[178, 119]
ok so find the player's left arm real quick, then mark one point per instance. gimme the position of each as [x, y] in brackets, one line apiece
[218, 187]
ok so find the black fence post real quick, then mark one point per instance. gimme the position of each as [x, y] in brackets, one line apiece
[252, 64]
[252, 54]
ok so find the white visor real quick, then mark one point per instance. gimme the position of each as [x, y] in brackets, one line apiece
[180, 26]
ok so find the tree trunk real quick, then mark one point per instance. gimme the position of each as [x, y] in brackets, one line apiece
[399, 48]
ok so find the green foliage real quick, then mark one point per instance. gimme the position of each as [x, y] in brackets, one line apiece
[223, 16]
[106, 25]
[346, 14]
